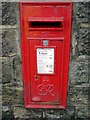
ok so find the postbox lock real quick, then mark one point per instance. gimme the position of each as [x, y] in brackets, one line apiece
[45, 42]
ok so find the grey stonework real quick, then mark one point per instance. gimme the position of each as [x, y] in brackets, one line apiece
[6, 70]
[9, 13]
[78, 84]
[9, 42]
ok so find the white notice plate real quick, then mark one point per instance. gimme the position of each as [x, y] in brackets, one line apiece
[45, 60]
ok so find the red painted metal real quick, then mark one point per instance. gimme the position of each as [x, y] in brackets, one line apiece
[50, 22]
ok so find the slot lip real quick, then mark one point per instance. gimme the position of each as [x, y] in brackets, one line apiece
[46, 19]
[46, 29]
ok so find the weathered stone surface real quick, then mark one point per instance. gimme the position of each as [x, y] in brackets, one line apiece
[78, 72]
[50, 114]
[81, 112]
[0, 45]
[80, 41]
[0, 70]
[19, 112]
[0, 90]
[81, 71]
[22, 113]
[83, 41]
[6, 70]
[80, 34]
[11, 70]
[10, 13]
[72, 68]
[17, 72]
[9, 42]
[79, 95]
[68, 114]
[81, 11]
[12, 94]
[7, 113]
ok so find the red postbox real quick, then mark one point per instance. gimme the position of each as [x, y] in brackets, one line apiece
[45, 45]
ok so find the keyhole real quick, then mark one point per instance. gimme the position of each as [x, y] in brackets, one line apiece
[36, 77]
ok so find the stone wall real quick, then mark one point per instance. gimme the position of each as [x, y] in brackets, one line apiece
[78, 88]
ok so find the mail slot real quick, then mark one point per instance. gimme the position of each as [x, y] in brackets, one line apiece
[45, 46]
[43, 24]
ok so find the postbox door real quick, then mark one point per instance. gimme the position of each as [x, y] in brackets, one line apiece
[45, 70]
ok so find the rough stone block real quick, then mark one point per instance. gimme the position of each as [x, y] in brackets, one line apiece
[0, 90]
[7, 113]
[80, 41]
[29, 114]
[0, 70]
[67, 114]
[75, 38]
[17, 72]
[7, 70]
[71, 75]
[83, 113]
[78, 95]
[12, 94]
[0, 45]
[10, 12]
[10, 43]
[81, 11]
[80, 34]
[83, 41]
[81, 71]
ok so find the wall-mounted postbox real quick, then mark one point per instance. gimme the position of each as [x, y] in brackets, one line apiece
[45, 45]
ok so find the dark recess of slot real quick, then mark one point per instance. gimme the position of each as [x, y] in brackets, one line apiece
[36, 24]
